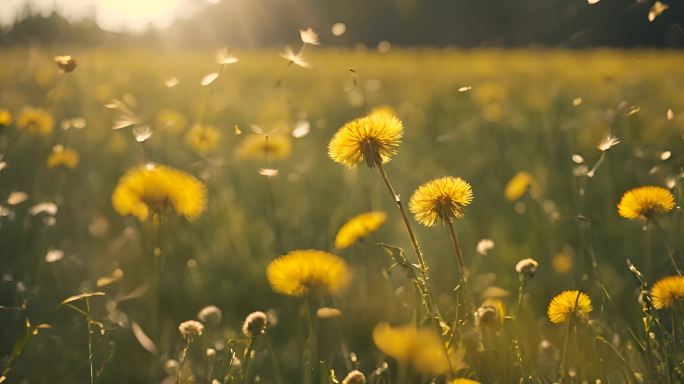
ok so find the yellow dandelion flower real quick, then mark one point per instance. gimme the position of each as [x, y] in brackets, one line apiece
[383, 109]
[444, 198]
[464, 381]
[373, 139]
[359, 227]
[300, 272]
[36, 121]
[568, 303]
[153, 189]
[65, 157]
[643, 202]
[273, 146]
[423, 348]
[490, 313]
[666, 291]
[519, 184]
[5, 118]
[203, 138]
[171, 120]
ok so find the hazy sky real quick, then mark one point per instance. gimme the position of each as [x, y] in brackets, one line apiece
[110, 14]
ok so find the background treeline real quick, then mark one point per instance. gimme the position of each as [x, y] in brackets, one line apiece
[464, 23]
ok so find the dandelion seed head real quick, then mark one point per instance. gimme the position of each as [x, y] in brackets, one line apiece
[354, 377]
[484, 246]
[607, 143]
[309, 36]
[17, 197]
[142, 133]
[210, 314]
[65, 63]
[527, 267]
[191, 329]
[255, 324]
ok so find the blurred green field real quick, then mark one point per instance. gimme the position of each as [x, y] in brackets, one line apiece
[482, 115]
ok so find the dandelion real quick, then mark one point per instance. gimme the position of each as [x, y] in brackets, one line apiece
[255, 324]
[518, 186]
[141, 133]
[65, 63]
[210, 314]
[464, 381]
[309, 36]
[190, 329]
[5, 118]
[359, 227]
[355, 377]
[294, 58]
[484, 246]
[271, 146]
[645, 202]
[153, 189]
[667, 291]
[444, 199]
[527, 267]
[203, 138]
[656, 10]
[268, 172]
[567, 304]
[423, 348]
[35, 121]
[373, 139]
[607, 143]
[173, 121]
[62, 157]
[301, 272]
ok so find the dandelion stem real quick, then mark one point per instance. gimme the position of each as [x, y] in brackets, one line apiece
[310, 370]
[90, 341]
[181, 361]
[663, 236]
[424, 277]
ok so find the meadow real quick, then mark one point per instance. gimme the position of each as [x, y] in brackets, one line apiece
[97, 278]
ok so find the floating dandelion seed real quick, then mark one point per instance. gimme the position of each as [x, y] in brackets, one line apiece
[592, 2]
[268, 172]
[153, 189]
[171, 82]
[47, 208]
[142, 133]
[54, 255]
[484, 246]
[65, 63]
[665, 155]
[338, 29]
[294, 58]
[237, 130]
[607, 143]
[309, 36]
[644, 202]
[577, 159]
[576, 101]
[209, 78]
[372, 139]
[444, 198]
[328, 313]
[568, 304]
[465, 88]
[656, 10]
[669, 114]
[359, 227]
[667, 291]
[225, 58]
[301, 272]
[301, 129]
[17, 197]
[113, 277]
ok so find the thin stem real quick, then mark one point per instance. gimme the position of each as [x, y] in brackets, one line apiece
[663, 236]
[565, 351]
[274, 360]
[310, 370]
[181, 362]
[90, 342]
[251, 350]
